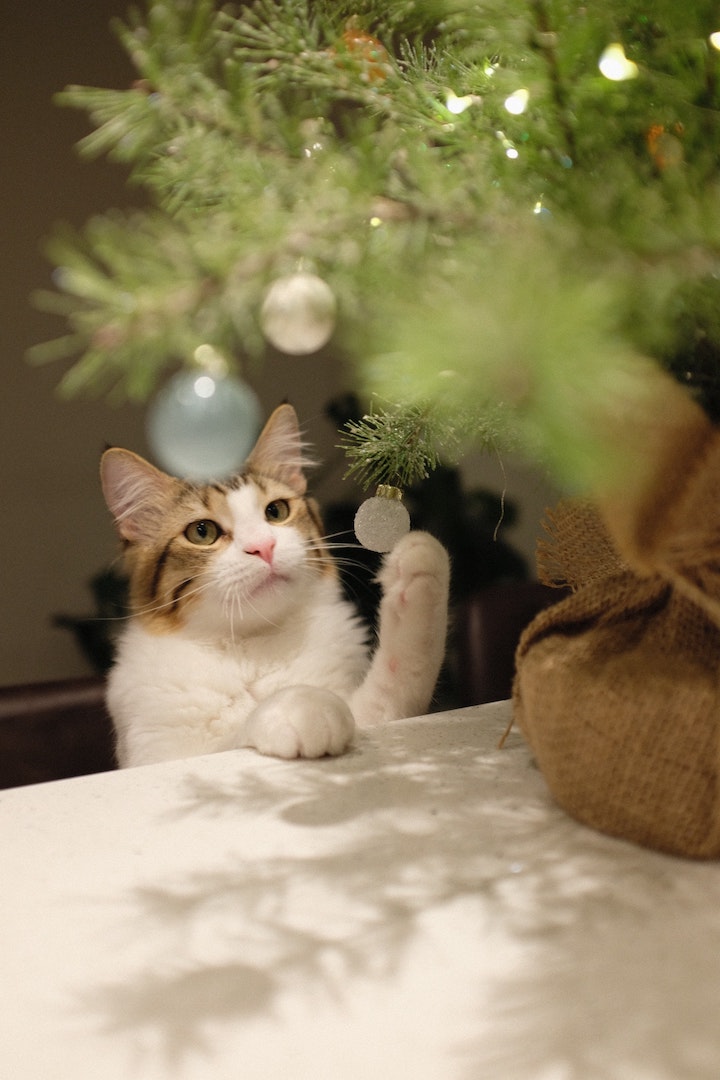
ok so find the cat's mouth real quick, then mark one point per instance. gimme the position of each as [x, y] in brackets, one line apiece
[270, 582]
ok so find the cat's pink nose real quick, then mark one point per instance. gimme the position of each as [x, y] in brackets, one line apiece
[264, 548]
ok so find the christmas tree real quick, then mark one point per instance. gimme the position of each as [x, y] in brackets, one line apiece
[502, 217]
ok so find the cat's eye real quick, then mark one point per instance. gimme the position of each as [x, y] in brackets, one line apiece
[203, 533]
[277, 510]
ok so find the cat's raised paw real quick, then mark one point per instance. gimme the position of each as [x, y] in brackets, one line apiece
[301, 722]
[412, 628]
[417, 569]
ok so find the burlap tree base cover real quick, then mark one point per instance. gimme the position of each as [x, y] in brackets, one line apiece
[617, 687]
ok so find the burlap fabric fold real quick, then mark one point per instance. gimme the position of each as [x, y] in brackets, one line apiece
[617, 687]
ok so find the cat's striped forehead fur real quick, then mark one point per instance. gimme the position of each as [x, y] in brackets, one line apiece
[181, 536]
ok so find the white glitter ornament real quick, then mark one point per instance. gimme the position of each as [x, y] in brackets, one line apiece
[298, 313]
[382, 520]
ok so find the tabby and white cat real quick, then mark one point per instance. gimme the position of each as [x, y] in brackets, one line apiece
[240, 635]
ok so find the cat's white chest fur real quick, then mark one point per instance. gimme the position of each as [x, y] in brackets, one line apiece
[180, 695]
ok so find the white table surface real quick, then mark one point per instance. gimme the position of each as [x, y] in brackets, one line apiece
[417, 909]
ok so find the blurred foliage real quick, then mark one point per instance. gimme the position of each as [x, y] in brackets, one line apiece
[501, 271]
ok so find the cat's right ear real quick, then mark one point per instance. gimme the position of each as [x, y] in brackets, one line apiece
[135, 491]
[279, 451]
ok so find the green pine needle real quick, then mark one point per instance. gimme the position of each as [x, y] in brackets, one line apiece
[398, 446]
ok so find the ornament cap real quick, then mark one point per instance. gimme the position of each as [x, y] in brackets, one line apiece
[388, 491]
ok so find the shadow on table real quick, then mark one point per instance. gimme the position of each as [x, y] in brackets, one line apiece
[614, 967]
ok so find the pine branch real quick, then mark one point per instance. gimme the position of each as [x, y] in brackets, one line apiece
[545, 38]
[398, 446]
[467, 249]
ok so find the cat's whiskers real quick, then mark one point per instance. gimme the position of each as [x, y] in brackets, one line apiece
[149, 609]
[326, 545]
[354, 569]
[202, 582]
[262, 615]
[234, 596]
[231, 600]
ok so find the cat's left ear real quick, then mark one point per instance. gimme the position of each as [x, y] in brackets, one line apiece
[279, 451]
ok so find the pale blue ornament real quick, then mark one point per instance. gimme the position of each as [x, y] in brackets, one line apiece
[203, 426]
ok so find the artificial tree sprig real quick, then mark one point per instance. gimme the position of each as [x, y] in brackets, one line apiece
[396, 445]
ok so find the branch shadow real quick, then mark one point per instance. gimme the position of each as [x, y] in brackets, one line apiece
[361, 848]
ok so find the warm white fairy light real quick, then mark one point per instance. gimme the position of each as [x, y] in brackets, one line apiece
[457, 105]
[517, 102]
[715, 40]
[614, 64]
[211, 361]
[511, 151]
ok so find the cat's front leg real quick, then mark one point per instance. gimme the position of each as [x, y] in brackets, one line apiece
[300, 721]
[412, 630]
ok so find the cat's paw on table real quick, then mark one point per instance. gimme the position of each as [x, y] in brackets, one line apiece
[301, 722]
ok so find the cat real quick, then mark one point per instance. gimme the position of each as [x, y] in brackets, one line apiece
[240, 635]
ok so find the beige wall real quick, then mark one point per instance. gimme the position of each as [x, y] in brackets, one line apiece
[56, 532]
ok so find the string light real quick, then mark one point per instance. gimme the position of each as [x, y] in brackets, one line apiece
[517, 102]
[511, 151]
[211, 361]
[614, 64]
[715, 40]
[457, 105]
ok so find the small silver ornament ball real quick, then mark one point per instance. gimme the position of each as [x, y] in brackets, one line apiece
[298, 313]
[382, 520]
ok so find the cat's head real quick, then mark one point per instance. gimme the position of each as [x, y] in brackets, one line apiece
[232, 555]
